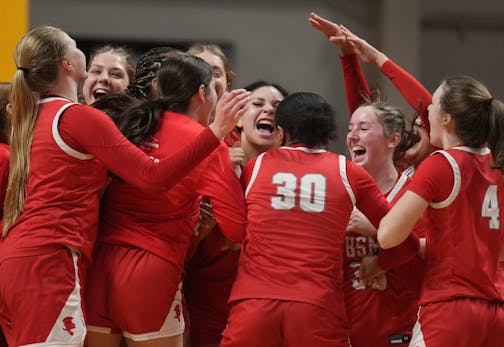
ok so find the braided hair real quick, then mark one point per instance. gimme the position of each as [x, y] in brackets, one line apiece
[146, 69]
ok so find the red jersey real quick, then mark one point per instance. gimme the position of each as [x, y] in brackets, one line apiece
[396, 306]
[299, 201]
[162, 223]
[73, 146]
[464, 231]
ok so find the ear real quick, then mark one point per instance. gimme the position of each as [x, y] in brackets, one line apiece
[66, 64]
[394, 140]
[280, 139]
[202, 93]
[447, 122]
[154, 88]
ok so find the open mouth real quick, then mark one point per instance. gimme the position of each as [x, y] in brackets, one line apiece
[265, 127]
[358, 151]
[98, 93]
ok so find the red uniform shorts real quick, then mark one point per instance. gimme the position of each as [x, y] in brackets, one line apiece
[273, 323]
[135, 292]
[460, 322]
[40, 299]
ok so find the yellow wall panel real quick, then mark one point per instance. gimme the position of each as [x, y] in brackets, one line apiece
[14, 24]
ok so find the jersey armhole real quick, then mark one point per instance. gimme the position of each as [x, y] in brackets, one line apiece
[344, 178]
[255, 171]
[456, 181]
[59, 141]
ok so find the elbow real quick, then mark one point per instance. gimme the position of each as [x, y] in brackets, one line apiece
[384, 241]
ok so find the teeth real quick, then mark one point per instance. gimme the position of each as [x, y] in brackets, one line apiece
[358, 150]
[266, 125]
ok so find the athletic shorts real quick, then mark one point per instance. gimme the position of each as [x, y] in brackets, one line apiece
[40, 299]
[133, 292]
[274, 323]
[460, 322]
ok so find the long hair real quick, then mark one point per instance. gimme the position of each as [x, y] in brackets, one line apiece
[478, 117]
[36, 55]
[178, 79]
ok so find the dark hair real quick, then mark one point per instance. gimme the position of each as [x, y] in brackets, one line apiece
[147, 66]
[118, 51]
[261, 83]
[479, 118]
[179, 78]
[306, 119]
[4, 115]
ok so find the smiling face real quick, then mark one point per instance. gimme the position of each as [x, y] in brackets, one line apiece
[366, 141]
[107, 74]
[258, 121]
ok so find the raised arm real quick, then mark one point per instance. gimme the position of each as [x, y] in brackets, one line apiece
[417, 96]
[356, 87]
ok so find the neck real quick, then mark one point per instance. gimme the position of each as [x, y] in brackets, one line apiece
[385, 177]
[450, 140]
[66, 88]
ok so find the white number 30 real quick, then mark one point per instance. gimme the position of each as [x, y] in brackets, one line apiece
[490, 207]
[312, 192]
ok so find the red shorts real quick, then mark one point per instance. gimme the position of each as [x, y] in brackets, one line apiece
[273, 323]
[132, 291]
[40, 299]
[460, 322]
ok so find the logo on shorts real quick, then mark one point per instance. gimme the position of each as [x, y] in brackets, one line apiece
[177, 312]
[69, 325]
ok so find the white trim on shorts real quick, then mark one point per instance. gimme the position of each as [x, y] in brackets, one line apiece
[173, 325]
[417, 338]
[71, 314]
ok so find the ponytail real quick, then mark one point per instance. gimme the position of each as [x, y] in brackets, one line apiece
[496, 135]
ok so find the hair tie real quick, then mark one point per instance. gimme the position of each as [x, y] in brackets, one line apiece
[24, 69]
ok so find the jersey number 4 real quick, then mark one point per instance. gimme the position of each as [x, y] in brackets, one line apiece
[490, 207]
[312, 192]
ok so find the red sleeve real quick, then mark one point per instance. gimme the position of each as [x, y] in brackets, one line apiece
[356, 86]
[369, 199]
[433, 179]
[400, 254]
[220, 183]
[92, 131]
[413, 91]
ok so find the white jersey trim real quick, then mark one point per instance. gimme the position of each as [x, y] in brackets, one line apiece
[456, 181]
[59, 141]
[397, 187]
[255, 171]
[410, 171]
[305, 149]
[344, 178]
[477, 151]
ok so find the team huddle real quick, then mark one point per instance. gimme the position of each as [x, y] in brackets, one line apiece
[154, 205]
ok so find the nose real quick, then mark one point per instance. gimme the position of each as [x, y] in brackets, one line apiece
[104, 78]
[269, 109]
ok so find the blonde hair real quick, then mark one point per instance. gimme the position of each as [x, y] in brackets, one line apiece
[36, 55]
[201, 47]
